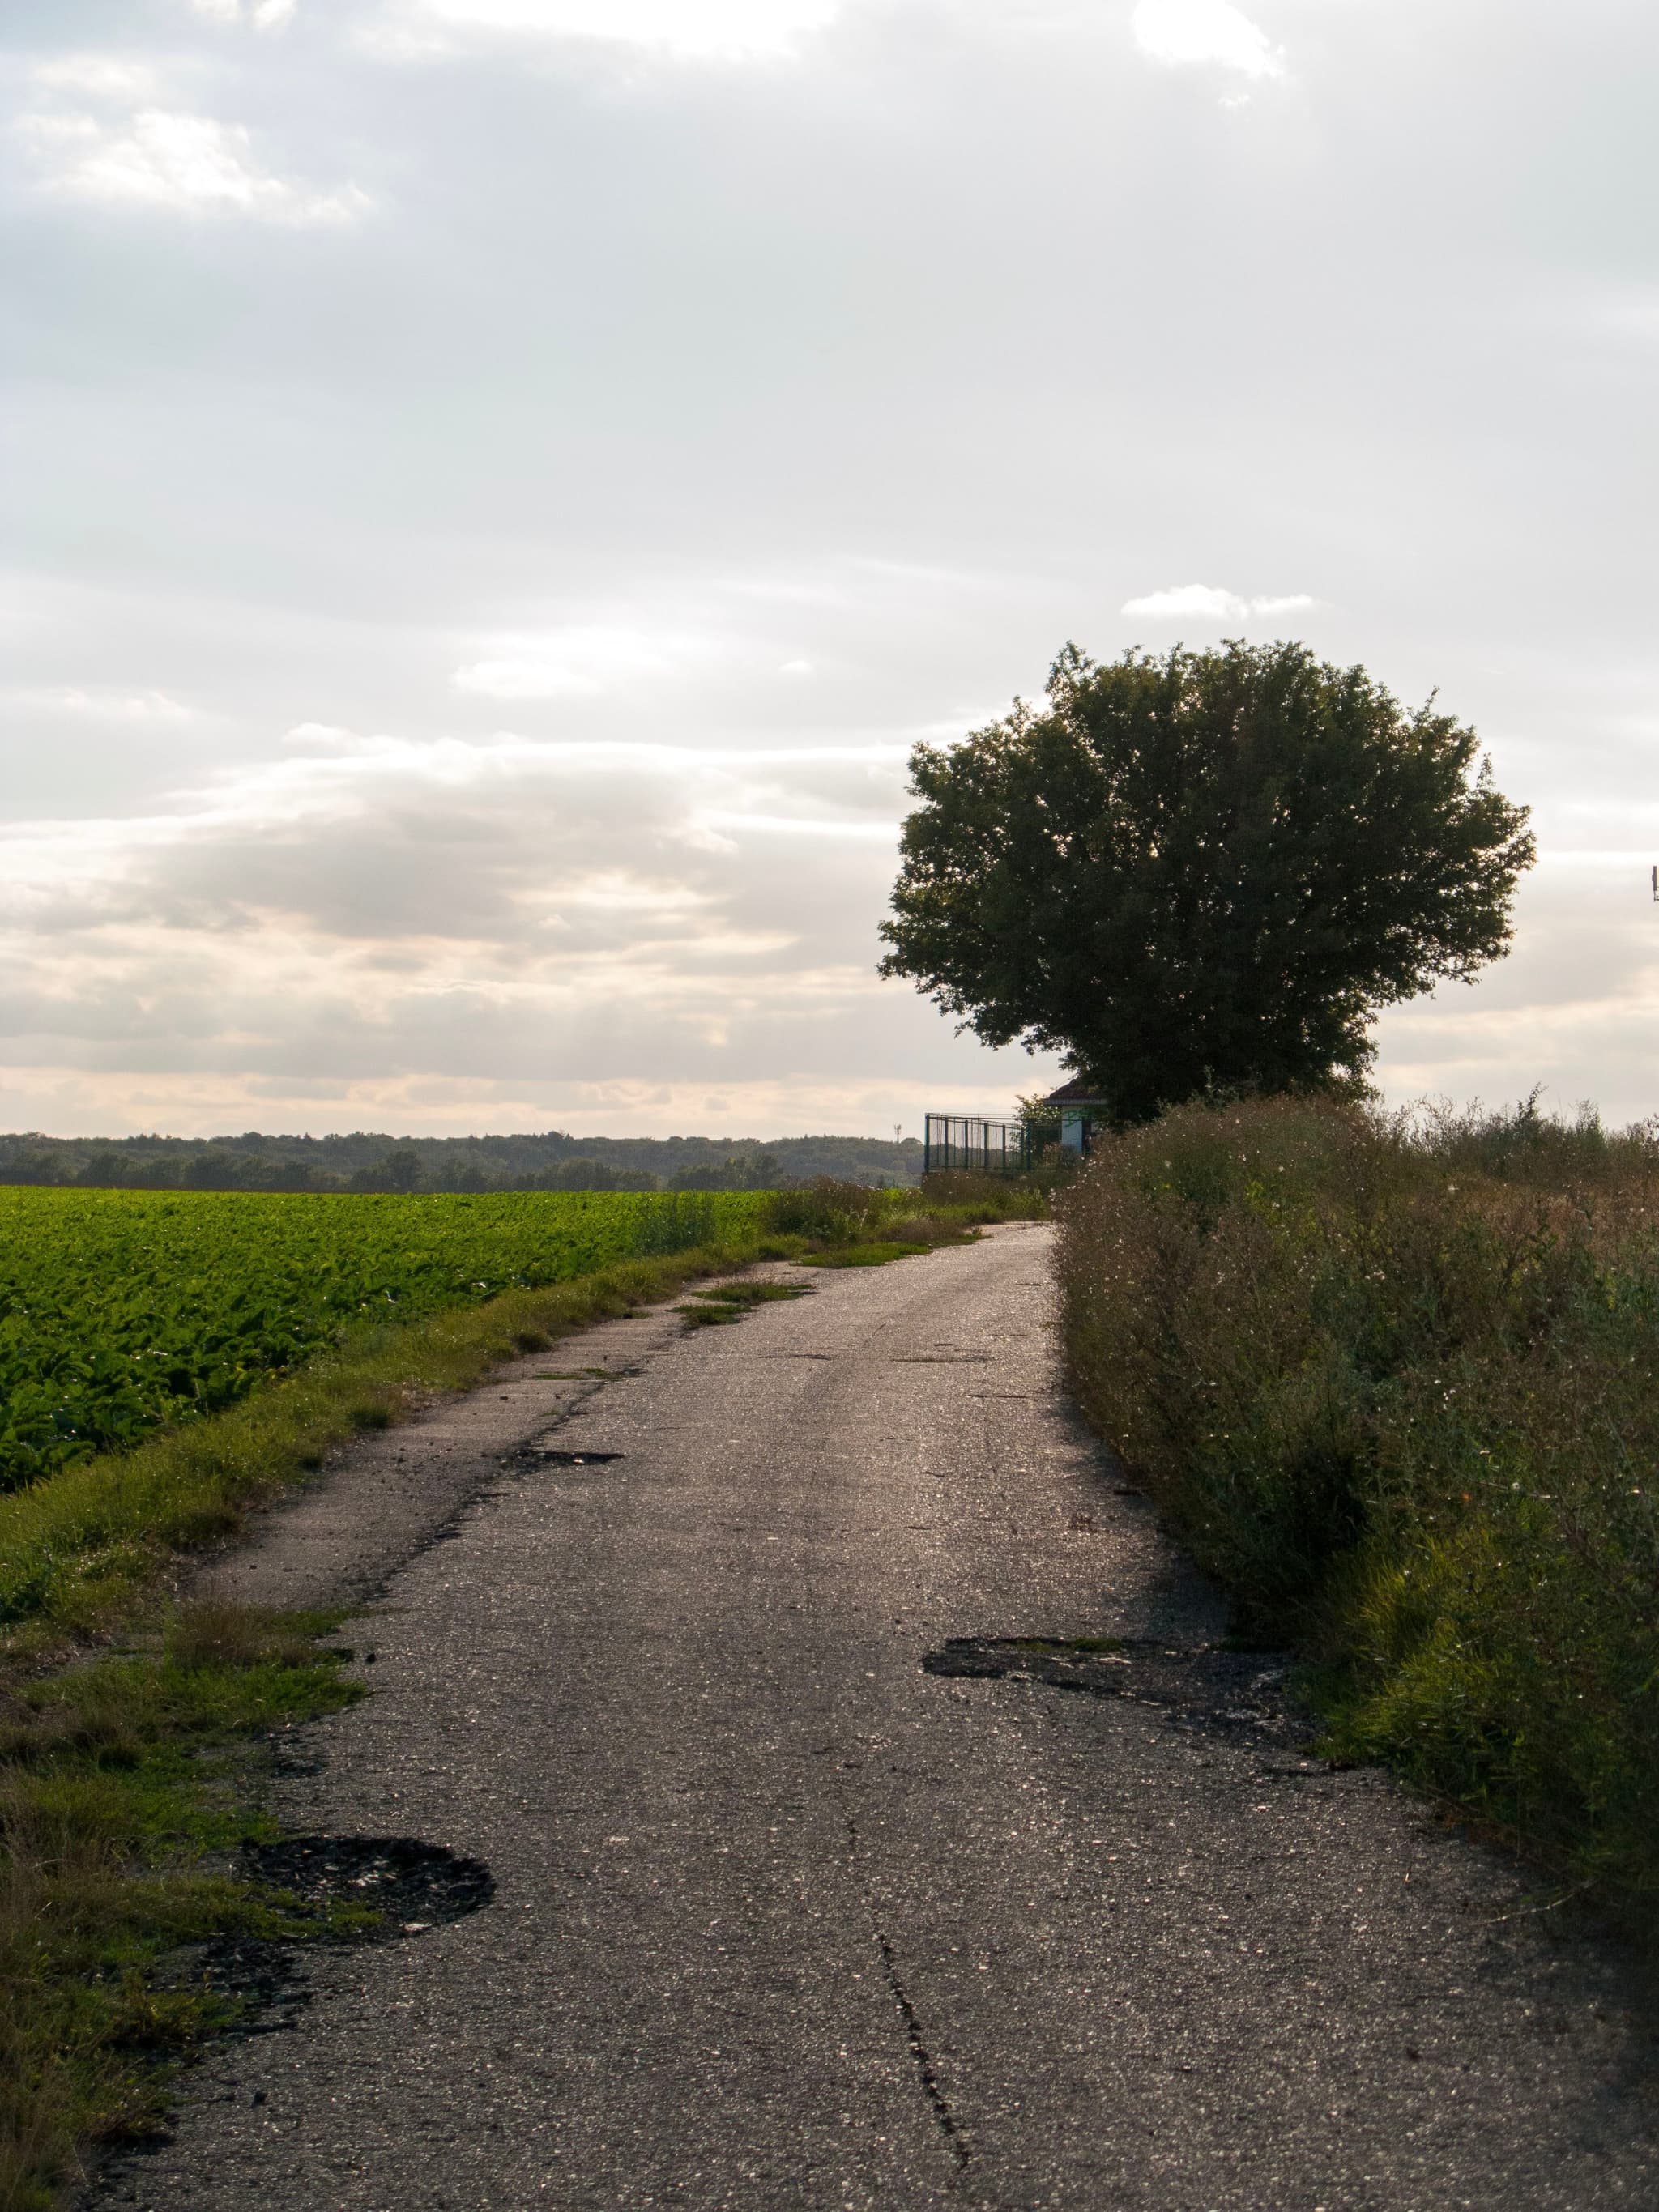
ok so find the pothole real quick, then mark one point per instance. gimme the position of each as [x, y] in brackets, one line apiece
[1206, 1684]
[400, 1886]
[412, 1884]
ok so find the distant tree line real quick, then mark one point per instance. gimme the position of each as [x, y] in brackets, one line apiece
[370, 1160]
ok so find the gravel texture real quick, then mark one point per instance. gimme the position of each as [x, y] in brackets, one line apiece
[783, 1916]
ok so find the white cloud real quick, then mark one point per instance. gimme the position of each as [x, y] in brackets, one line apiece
[706, 28]
[1205, 31]
[364, 906]
[262, 14]
[525, 675]
[791, 826]
[520, 815]
[109, 706]
[319, 736]
[1206, 603]
[103, 77]
[191, 164]
[579, 661]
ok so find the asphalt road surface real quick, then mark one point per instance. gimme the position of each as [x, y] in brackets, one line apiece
[839, 1860]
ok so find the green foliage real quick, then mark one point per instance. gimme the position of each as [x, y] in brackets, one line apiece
[398, 1168]
[121, 1311]
[1204, 874]
[1042, 1125]
[868, 1255]
[1396, 1384]
[827, 1210]
[730, 1302]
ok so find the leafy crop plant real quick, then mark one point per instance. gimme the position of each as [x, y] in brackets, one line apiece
[123, 1312]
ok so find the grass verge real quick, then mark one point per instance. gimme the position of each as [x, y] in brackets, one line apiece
[730, 1302]
[874, 1254]
[1395, 1383]
[122, 1780]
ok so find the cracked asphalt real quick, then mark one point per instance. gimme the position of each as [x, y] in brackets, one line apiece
[782, 1918]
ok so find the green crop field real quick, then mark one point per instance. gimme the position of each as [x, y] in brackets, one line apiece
[124, 1310]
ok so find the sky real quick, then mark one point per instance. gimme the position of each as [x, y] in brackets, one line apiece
[494, 490]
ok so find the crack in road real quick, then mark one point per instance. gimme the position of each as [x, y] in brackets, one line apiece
[927, 2072]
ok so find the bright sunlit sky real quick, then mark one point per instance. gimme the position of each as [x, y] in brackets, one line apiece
[496, 486]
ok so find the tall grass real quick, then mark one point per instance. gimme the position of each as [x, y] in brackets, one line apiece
[832, 1213]
[998, 1197]
[1393, 1380]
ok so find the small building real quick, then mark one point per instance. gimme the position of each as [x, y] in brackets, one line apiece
[1080, 1106]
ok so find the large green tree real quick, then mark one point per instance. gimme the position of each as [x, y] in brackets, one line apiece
[1203, 874]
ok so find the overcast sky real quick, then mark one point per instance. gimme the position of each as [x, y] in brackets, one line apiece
[494, 489]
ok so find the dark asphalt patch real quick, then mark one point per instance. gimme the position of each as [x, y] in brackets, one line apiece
[942, 1359]
[415, 1886]
[1206, 1684]
[264, 1977]
[544, 1456]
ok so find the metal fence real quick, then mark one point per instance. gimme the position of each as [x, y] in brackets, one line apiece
[982, 1147]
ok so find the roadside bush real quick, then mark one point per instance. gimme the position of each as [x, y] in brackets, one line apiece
[829, 1212]
[1393, 1378]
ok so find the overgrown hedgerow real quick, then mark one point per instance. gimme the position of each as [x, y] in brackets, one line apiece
[1393, 1380]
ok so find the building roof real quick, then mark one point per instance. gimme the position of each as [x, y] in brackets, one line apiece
[1079, 1091]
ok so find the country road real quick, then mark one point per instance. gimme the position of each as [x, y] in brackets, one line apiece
[784, 1916]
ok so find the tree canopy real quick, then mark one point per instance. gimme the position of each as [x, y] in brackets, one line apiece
[1202, 873]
